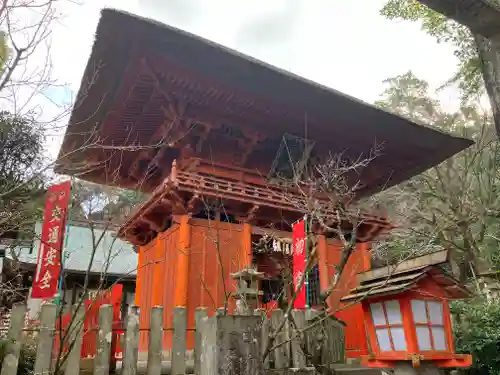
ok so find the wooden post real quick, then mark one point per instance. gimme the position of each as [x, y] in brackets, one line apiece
[45, 339]
[130, 356]
[182, 276]
[75, 341]
[140, 276]
[103, 344]
[179, 341]
[298, 356]
[11, 358]
[173, 171]
[155, 348]
[322, 263]
[116, 302]
[247, 246]
[200, 314]
[364, 248]
[158, 273]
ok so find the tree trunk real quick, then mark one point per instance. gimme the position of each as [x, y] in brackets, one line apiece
[489, 53]
[480, 16]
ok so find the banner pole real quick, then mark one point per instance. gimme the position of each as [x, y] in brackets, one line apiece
[64, 246]
[306, 230]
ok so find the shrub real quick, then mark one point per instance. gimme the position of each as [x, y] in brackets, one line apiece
[477, 331]
[26, 358]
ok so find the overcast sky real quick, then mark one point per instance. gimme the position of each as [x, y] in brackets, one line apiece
[343, 44]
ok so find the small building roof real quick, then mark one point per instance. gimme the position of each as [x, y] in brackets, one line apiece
[113, 256]
[406, 276]
[137, 65]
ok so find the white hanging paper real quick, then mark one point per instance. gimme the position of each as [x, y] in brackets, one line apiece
[378, 314]
[398, 338]
[384, 342]
[393, 311]
[419, 312]
[435, 312]
[424, 338]
[439, 338]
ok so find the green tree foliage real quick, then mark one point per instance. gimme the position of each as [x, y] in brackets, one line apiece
[100, 203]
[468, 76]
[21, 180]
[456, 204]
[27, 356]
[477, 332]
[21, 193]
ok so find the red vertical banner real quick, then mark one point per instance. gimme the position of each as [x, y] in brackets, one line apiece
[51, 241]
[299, 262]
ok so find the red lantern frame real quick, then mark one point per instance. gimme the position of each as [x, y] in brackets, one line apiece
[418, 279]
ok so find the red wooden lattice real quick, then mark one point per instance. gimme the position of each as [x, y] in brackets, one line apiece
[111, 296]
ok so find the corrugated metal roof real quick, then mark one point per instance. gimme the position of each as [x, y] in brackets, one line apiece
[112, 255]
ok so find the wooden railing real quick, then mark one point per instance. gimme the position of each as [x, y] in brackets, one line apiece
[287, 352]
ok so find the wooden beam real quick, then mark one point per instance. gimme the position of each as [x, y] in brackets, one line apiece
[199, 145]
[182, 191]
[166, 202]
[252, 212]
[135, 171]
[173, 129]
[152, 223]
[278, 233]
[278, 114]
[248, 146]
[174, 109]
[178, 202]
[230, 172]
[192, 202]
[180, 111]
[188, 164]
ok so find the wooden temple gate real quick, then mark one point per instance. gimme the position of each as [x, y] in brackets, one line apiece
[187, 97]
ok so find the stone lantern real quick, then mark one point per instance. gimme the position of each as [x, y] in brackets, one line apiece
[407, 316]
[247, 290]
